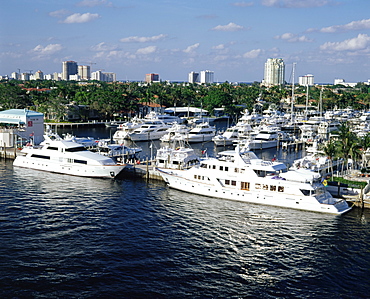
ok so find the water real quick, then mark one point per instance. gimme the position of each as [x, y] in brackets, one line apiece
[71, 237]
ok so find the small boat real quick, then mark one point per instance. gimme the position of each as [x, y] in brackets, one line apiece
[242, 176]
[55, 154]
[118, 152]
[180, 157]
[85, 141]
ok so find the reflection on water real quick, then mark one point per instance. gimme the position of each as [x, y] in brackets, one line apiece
[65, 236]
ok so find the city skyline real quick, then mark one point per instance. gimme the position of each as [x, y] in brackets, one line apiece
[327, 38]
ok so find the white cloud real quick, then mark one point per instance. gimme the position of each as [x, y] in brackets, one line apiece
[295, 3]
[143, 39]
[191, 48]
[146, 50]
[219, 47]
[92, 3]
[81, 18]
[362, 41]
[242, 4]
[229, 27]
[293, 38]
[253, 53]
[103, 47]
[355, 25]
[59, 13]
[47, 50]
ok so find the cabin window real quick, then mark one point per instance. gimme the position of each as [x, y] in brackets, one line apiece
[305, 192]
[226, 168]
[236, 170]
[221, 168]
[227, 182]
[233, 183]
[272, 188]
[280, 189]
[258, 186]
[76, 149]
[214, 166]
[242, 170]
[40, 156]
[195, 176]
[265, 187]
[80, 161]
[245, 186]
[203, 165]
[53, 148]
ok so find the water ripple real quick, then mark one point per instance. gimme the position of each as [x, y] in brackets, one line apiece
[67, 237]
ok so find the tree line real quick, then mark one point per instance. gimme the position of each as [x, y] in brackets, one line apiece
[120, 98]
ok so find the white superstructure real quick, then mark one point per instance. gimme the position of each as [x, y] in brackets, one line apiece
[244, 177]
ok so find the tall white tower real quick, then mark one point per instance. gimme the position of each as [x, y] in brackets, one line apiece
[274, 72]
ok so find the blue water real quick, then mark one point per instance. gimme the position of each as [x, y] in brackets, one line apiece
[71, 237]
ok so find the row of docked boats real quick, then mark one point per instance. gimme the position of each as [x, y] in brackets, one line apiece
[235, 174]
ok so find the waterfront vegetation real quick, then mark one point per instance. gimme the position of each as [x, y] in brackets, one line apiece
[101, 100]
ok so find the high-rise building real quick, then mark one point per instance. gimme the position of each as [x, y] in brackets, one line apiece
[274, 72]
[306, 80]
[84, 72]
[193, 77]
[151, 78]
[69, 68]
[15, 75]
[206, 76]
[106, 77]
[39, 75]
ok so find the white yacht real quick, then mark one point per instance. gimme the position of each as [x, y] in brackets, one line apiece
[150, 130]
[200, 133]
[173, 132]
[67, 157]
[242, 176]
[233, 134]
[124, 129]
[268, 137]
[176, 157]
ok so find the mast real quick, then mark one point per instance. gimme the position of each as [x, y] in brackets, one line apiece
[293, 100]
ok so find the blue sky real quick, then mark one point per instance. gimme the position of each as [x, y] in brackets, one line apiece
[327, 38]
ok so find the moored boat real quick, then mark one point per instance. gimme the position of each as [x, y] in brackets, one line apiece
[67, 157]
[241, 175]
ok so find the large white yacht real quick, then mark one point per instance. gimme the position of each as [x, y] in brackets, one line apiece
[67, 157]
[242, 176]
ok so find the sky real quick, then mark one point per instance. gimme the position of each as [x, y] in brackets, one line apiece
[327, 38]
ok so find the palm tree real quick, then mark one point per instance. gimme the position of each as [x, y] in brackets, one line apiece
[346, 143]
[330, 150]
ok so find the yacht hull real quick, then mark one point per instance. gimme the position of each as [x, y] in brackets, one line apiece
[176, 180]
[103, 171]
